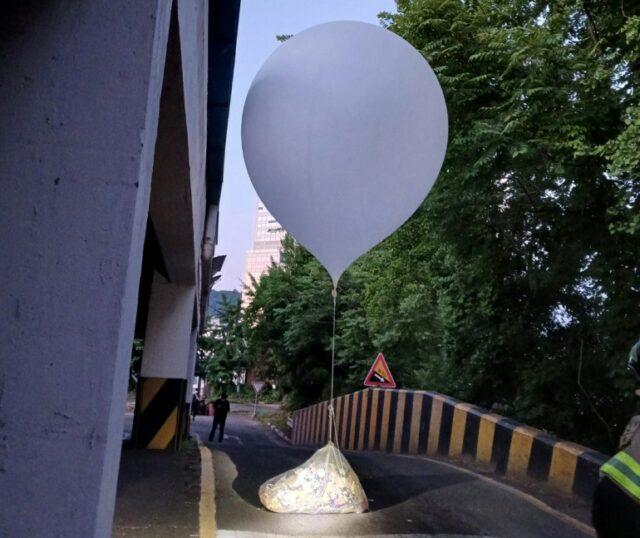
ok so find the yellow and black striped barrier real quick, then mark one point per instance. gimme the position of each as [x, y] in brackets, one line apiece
[424, 422]
[159, 413]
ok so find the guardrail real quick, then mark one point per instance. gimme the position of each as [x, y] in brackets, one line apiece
[429, 423]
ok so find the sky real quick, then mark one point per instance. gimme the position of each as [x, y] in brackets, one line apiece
[260, 22]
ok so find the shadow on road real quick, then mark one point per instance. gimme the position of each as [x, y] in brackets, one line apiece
[256, 464]
[391, 490]
[384, 486]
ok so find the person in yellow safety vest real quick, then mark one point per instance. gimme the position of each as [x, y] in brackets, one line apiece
[616, 499]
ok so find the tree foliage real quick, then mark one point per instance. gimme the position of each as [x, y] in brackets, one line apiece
[222, 349]
[290, 319]
[516, 283]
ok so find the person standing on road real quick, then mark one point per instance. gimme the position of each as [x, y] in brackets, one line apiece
[195, 406]
[616, 500]
[221, 408]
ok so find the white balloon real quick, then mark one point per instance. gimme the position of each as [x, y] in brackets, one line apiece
[344, 132]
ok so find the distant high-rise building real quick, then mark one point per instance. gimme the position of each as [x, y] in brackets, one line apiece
[267, 247]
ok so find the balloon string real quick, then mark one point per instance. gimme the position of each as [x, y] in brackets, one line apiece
[332, 416]
[333, 427]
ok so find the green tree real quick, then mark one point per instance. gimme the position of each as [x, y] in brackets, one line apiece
[516, 282]
[290, 320]
[528, 283]
[223, 349]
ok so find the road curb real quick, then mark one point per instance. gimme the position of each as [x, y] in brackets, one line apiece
[207, 508]
[279, 433]
[432, 424]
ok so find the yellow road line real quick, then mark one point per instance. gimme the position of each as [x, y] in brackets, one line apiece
[207, 494]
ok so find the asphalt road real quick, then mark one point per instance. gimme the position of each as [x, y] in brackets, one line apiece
[408, 496]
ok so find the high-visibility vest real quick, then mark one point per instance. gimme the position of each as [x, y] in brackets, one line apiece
[624, 470]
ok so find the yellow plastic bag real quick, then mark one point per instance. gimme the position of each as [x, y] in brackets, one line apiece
[324, 484]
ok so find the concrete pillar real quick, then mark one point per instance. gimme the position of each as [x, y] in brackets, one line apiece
[177, 211]
[190, 378]
[80, 87]
[165, 362]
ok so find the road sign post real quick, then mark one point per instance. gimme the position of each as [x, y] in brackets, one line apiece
[257, 387]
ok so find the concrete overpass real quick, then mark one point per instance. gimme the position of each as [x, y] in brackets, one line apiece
[114, 119]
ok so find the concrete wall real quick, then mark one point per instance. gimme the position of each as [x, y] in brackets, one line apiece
[428, 423]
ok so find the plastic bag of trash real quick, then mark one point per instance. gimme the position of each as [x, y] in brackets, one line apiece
[324, 484]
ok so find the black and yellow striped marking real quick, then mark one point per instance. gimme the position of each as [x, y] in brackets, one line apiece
[159, 413]
[431, 424]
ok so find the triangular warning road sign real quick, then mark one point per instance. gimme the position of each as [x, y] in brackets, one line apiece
[380, 375]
